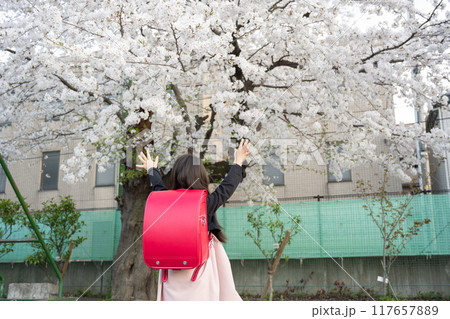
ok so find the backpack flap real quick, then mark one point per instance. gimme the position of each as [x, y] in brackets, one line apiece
[175, 232]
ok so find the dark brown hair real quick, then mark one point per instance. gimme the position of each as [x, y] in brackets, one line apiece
[189, 172]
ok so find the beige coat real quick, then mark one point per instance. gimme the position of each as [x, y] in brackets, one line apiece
[214, 281]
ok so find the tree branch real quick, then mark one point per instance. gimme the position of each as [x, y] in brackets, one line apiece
[248, 32]
[73, 88]
[251, 55]
[14, 87]
[275, 5]
[178, 48]
[83, 29]
[431, 15]
[389, 48]
[215, 31]
[406, 40]
[62, 114]
[281, 62]
[149, 63]
[66, 83]
[209, 131]
[183, 105]
[120, 21]
[272, 86]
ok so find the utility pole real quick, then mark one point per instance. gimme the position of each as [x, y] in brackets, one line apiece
[319, 217]
[418, 115]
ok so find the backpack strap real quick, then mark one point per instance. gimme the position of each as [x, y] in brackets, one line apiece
[165, 272]
[195, 273]
[164, 275]
[197, 269]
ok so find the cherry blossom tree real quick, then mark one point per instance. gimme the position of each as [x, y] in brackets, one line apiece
[171, 75]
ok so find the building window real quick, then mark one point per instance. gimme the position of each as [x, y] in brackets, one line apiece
[107, 177]
[2, 180]
[346, 176]
[5, 123]
[50, 170]
[272, 174]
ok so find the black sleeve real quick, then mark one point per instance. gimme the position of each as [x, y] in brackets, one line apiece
[155, 179]
[224, 191]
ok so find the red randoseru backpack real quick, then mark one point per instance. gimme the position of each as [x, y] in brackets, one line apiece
[175, 233]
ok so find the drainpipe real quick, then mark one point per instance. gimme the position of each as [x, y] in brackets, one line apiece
[418, 115]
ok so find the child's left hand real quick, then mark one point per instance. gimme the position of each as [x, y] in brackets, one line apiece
[147, 161]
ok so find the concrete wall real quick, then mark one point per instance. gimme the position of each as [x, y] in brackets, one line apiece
[409, 275]
[79, 276]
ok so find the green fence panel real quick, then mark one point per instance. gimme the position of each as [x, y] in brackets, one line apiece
[340, 228]
[101, 232]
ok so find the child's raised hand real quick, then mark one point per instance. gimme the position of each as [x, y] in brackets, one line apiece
[242, 152]
[147, 161]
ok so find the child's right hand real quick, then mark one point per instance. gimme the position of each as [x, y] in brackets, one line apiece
[242, 152]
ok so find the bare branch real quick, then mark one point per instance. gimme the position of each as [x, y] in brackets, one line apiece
[183, 105]
[178, 48]
[66, 83]
[437, 24]
[282, 62]
[390, 48]
[251, 55]
[120, 21]
[272, 86]
[148, 63]
[431, 15]
[248, 32]
[275, 5]
[83, 29]
[14, 87]
[62, 114]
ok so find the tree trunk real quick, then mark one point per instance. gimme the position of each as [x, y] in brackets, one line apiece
[270, 286]
[132, 279]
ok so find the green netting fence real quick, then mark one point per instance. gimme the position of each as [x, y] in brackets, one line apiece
[102, 233]
[341, 226]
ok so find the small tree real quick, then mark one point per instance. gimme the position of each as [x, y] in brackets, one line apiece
[61, 224]
[10, 213]
[390, 217]
[266, 221]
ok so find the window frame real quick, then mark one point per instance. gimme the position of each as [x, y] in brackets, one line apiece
[41, 188]
[330, 175]
[266, 165]
[113, 167]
